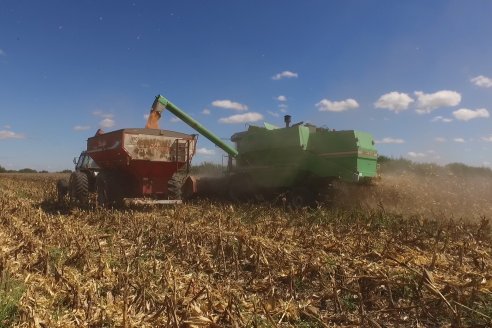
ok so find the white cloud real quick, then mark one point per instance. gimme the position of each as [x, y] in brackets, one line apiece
[465, 114]
[241, 118]
[285, 75]
[415, 154]
[81, 127]
[102, 114]
[459, 140]
[228, 104]
[482, 81]
[427, 102]
[5, 134]
[394, 101]
[282, 108]
[440, 139]
[146, 116]
[205, 151]
[326, 105]
[106, 123]
[390, 140]
[274, 114]
[2, 53]
[175, 119]
[442, 119]
[486, 163]
[8, 127]
[206, 111]
[282, 98]
[487, 139]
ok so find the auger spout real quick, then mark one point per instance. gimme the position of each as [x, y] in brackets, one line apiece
[161, 103]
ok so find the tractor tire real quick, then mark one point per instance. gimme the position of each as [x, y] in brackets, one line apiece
[62, 189]
[108, 186]
[79, 189]
[175, 185]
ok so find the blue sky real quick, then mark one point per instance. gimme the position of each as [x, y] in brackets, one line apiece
[415, 74]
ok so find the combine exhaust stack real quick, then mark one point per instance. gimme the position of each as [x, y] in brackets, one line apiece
[287, 120]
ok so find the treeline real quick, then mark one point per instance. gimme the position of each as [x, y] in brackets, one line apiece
[388, 164]
[204, 168]
[28, 170]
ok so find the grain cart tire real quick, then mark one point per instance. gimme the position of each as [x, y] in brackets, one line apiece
[108, 190]
[175, 185]
[102, 190]
[79, 189]
[62, 189]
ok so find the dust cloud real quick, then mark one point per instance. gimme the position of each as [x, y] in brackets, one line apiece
[443, 194]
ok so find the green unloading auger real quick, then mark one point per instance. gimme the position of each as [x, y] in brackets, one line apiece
[161, 103]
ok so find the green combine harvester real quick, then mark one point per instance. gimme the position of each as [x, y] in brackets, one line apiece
[298, 161]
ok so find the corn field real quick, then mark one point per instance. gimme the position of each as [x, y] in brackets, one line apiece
[402, 253]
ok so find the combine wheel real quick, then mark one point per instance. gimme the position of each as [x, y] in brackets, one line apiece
[61, 189]
[79, 189]
[174, 186]
[242, 188]
[301, 197]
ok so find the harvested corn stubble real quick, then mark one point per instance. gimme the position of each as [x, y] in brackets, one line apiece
[389, 257]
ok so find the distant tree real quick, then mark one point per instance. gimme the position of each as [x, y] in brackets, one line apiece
[383, 159]
[390, 164]
[464, 170]
[2, 169]
[65, 171]
[43, 171]
[208, 169]
[27, 170]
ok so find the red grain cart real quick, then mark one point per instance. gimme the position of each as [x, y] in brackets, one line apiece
[147, 165]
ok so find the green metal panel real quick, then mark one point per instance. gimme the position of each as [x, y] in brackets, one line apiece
[284, 156]
[258, 139]
[334, 154]
[272, 157]
[367, 155]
